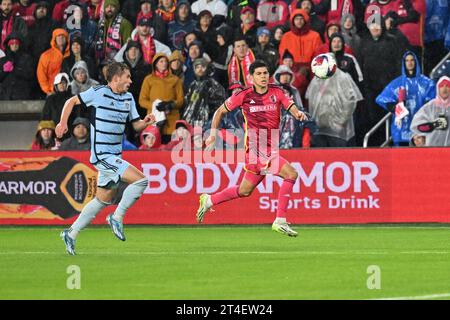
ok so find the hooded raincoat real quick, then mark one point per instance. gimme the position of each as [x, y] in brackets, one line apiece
[78, 87]
[430, 112]
[290, 128]
[332, 103]
[150, 130]
[51, 60]
[419, 90]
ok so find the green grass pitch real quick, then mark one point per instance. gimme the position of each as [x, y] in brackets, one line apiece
[228, 262]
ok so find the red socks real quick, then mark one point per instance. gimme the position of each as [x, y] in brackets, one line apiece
[283, 197]
[225, 195]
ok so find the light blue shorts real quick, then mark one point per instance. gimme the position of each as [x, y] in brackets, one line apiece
[110, 170]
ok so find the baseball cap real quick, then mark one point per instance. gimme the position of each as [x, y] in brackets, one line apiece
[246, 9]
[144, 22]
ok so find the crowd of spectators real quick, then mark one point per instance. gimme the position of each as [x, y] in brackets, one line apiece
[187, 56]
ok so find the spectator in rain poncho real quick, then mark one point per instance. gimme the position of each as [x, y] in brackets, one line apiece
[431, 121]
[290, 128]
[331, 104]
[413, 89]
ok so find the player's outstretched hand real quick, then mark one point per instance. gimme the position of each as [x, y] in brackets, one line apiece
[150, 119]
[210, 143]
[60, 129]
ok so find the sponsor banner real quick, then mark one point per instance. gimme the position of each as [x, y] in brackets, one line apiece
[334, 186]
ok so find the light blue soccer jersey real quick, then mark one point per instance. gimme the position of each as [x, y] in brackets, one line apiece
[109, 115]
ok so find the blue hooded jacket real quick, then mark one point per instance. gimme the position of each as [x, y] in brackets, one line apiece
[419, 90]
[436, 20]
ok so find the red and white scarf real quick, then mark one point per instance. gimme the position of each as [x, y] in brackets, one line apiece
[108, 41]
[148, 47]
[7, 26]
[235, 67]
[338, 8]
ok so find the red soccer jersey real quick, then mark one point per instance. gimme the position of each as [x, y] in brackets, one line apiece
[262, 117]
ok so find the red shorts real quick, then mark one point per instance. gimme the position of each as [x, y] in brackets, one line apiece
[261, 166]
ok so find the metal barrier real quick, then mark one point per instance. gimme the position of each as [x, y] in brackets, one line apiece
[386, 119]
[447, 57]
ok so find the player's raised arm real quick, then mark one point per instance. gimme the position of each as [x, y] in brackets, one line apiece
[61, 128]
[218, 115]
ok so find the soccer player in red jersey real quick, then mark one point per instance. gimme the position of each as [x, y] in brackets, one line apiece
[261, 107]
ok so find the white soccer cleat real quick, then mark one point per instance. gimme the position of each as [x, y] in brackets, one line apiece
[204, 207]
[284, 228]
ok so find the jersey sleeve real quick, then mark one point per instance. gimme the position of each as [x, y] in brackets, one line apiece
[235, 101]
[285, 100]
[87, 97]
[133, 115]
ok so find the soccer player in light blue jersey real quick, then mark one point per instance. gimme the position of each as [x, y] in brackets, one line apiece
[111, 107]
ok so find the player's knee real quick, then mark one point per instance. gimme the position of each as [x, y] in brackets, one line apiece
[292, 175]
[104, 200]
[105, 203]
[141, 181]
[289, 174]
[141, 184]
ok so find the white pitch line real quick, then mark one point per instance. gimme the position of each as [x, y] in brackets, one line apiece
[285, 253]
[430, 296]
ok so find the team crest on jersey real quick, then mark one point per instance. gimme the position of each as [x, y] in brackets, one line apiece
[273, 98]
[127, 105]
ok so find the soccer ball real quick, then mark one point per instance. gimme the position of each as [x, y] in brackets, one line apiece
[323, 66]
